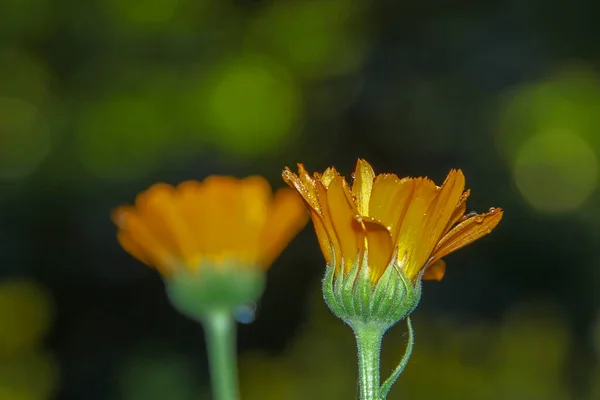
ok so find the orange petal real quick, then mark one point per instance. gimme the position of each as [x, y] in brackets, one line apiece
[154, 216]
[389, 200]
[467, 232]
[342, 213]
[148, 247]
[254, 207]
[362, 186]
[304, 185]
[119, 216]
[287, 217]
[305, 176]
[161, 208]
[189, 197]
[379, 246]
[328, 176]
[219, 211]
[411, 249]
[130, 245]
[327, 227]
[436, 271]
[459, 211]
[441, 210]
[434, 221]
[325, 240]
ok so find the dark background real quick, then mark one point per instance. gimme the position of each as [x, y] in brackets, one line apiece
[100, 99]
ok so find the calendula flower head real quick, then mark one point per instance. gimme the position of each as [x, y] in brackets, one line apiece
[211, 240]
[381, 235]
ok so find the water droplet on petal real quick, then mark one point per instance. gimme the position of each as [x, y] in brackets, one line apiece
[470, 215]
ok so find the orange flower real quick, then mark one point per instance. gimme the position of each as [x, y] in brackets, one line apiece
[219, 219]
[409, 222]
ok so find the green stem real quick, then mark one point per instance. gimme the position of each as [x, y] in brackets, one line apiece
[220, 330]
[368, 340]
[387, 385]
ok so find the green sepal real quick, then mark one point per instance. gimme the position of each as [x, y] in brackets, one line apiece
[223, 286]
[355, 299]
[346, 283]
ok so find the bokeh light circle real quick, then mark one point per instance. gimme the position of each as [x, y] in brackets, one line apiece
[122, 137]
[26, 313]
[23, 76]
[32, 376]
[318, 39]
[139, 12]
[567, 100]
[154, 372]
[25, 138]
[556, 171]
[253, 105]
[26, 18]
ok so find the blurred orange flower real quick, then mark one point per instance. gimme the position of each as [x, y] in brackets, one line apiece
[384, 220]
[218, 219]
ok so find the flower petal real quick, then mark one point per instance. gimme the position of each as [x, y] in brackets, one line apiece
[254, 209]
[459, 211]
[325, 224]
[390, 199]
[436, 218]
[412, 251]
[467, 232]
[325, 240]
[288, 216]
[161, 213]
[189, 198]
[327, 176]
[442, 209]
[218, 209]
[148, 246]
[379, 245]
[130, 245]
[343, 212]
[362, 186]
[304, 184]
[436, 271]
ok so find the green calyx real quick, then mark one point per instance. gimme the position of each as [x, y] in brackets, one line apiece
[226, 286]
[371, 309]
[354, 298]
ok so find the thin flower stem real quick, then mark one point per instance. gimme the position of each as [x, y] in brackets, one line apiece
[387, 385]
[368, 340]
[220, 332]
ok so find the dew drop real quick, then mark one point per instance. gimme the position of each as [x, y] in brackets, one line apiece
[479, 219]
[245, 314]
[492, 209]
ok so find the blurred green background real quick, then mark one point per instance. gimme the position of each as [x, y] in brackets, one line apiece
[100, 99]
